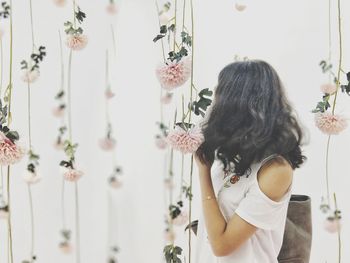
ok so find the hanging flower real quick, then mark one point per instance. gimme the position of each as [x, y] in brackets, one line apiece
[167, 98]
[185, 141]
[10, 153]
[109, 93]
[181, 219]
[59, 111]
[169, 236]
[174, 74]
[328, 88]
[114, 182]
[66, 247]
[240, 7]
[112, 8]
[58, 144]
[161, 142]
[30, 76]
[329, 123]
[332, 225]
[60, 3]
[107, 144]
[72, 175]
[31, 177]
[169, 184]
[164, 19]
[76, 41]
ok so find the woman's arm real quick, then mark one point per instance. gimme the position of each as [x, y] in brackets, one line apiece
[225, 237]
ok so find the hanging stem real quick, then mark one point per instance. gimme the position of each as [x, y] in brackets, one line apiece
[114, 40]
[69, 96]
[175, 23]
[31, 223]
[162, 41]
[29, 118]
[338, 228]
[192, 59]
[9, 226]
[340, 56]
[190, 214]
[77, 225]
[327, 169]
[31, 24]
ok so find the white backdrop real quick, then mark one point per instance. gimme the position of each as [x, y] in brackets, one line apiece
[291, 35]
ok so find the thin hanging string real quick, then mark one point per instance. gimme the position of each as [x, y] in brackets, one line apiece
[114, 41]
[159, 23]
[9, 94]
[338, 230]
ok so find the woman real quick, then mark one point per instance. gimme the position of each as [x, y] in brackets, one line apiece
[255, 139]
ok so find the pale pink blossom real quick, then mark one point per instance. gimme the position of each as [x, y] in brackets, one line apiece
[31, 178]
[72, 175]
[112, 8]
[169, 183]
[66, 247]
[58, 112]
[76, 41]
[328, 88]
[109, 93]
[161, 142]
[185, 141]
[107, 144]
[115, 183]
[167, 98]
[164, 19]
[240, 7]
[10, 153]
[169, 236]
[174, 74]
[58, 145]
[181, 219]
[60, 3]
[30, 76]
[332, 225]
[329, 123]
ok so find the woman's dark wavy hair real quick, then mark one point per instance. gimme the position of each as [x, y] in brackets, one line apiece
[250, 119]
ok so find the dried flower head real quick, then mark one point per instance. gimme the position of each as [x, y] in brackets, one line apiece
[31, 177]
[332, 225]
[328, 88]
[10, 152]
[174, 74]
[60, 3]
[167, 98]
[72, 175]
[329, 123]
[76, 41]
[161, 142]
[30, 76]
[107, 144]
[185, 141]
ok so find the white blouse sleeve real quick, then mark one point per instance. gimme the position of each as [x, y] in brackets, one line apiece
[259, 210]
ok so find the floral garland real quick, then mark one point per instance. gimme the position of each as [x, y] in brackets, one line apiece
[330, 123]
[184, 137]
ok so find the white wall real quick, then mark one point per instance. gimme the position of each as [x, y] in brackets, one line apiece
[291, 35]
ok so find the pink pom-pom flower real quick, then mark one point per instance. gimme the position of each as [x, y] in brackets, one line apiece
[332, 225]
[30, 76]
[185, 141]
[240, 7]
[329, 123]
[328, 88]
[10, 153]
[60, 3]
[72, 175]
[115, 182]
[174, 74]
[169, 183]
[58, 112]
[31, 177]
[181, 219]
[109, 93]
[66, 247]
[76, 42]
[112, 8]
[169, 236]
[107, 144]
[167, 98]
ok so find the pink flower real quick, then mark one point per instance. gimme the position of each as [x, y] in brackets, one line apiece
[30, 76]
[169, 184]
[72, 175]
[329, 123]
[58, 112]
[164, 19]
[169, 236]
[112, 9]
[31, 178]
[174, 74]
[66, 247]
[181, 219]
[10, 153]
[60, 3]
[107, 144]
[161, 142]
[109, 93]
[76, 42]
[328, 88]
[185, 141]
[332, 225]
[166, 99]
[58, 145]
[115, 183]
